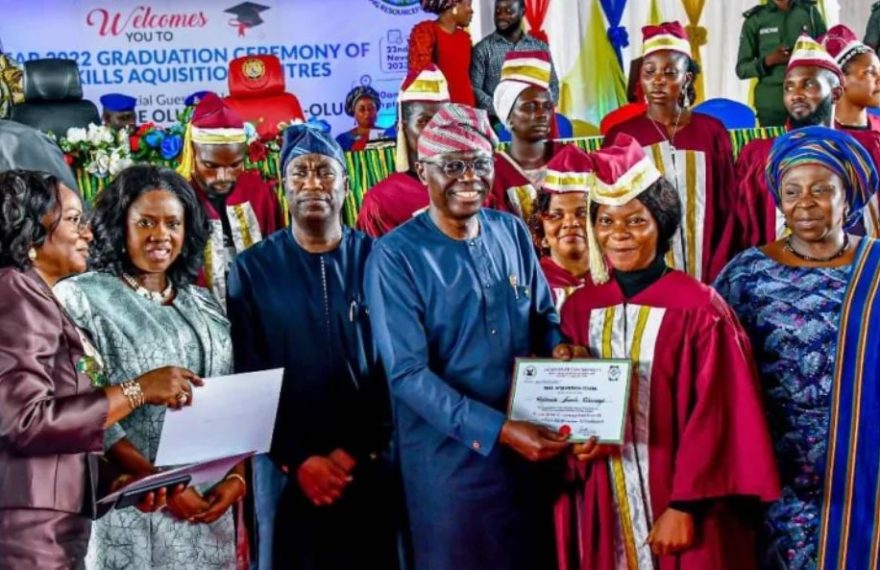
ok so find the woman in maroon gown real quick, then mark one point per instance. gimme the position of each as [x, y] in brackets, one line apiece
[691, 150]
[559, 223]
[696, 444]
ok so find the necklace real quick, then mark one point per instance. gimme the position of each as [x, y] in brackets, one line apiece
[161, 298]
[662, 133]
[790, 249]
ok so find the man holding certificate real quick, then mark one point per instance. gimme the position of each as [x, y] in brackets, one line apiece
[455, 295]
[695, 439]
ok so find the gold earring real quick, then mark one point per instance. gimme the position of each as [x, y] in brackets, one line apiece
[545, 243]
[32, 254]
[455, 11]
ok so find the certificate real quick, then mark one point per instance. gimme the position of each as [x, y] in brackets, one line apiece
[229, 415]
[587, 398]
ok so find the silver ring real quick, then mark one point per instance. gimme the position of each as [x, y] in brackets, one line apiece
[182, 398]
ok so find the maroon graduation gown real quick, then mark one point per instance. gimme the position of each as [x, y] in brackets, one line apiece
[562, 283]
[392, 202]
[699, 163]
[695, 430]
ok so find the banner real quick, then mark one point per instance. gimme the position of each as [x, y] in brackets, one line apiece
[160, 51]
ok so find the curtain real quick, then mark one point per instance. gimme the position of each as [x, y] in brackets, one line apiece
[617, 34]
[698, 37]
[596, 85]
[536, 12]
[655, 16]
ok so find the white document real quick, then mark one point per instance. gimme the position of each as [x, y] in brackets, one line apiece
[586, 398]
[206, 473]
[230, 415]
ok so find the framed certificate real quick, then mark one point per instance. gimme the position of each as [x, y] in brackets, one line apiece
[587, 397]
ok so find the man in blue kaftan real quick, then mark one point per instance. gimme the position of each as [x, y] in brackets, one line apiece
[296, 301]
[455, 294]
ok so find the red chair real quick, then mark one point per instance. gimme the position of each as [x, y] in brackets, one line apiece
[256, 93]
[621, 115]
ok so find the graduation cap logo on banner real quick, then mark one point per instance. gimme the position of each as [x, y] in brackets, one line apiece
[247, 15]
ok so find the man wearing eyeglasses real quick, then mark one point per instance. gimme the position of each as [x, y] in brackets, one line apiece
[296, 301]
[455, 294]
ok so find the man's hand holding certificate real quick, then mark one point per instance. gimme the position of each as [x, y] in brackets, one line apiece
[584, 398]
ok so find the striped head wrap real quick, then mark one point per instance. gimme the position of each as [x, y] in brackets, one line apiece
[359, 93]
[520, 70]
[457, 128]
[834, 149]
[438, 6]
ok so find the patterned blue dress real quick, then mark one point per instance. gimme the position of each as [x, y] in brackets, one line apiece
[791, 315]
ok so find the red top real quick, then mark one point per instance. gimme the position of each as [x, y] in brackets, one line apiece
[429, 43]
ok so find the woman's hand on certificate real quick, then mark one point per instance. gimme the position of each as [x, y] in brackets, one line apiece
[565, 351]
[534, 442]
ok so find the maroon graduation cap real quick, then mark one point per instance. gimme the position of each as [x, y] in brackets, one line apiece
[247, 15]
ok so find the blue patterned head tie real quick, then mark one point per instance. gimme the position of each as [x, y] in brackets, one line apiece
[359, 93]
[837, 151]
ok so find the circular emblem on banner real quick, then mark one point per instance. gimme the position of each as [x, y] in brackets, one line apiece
[398, 7]
[253, 68]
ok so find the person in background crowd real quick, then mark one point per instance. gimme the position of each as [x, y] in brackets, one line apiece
[140, 308]
[24, 147]
[559, 223]
[401, 195]
[765, 43]
[524, 104]
[691, 150]
[808, 302]
[872, 30]
[445, 43]
[54, 407]
[490, 53]
[861, 79]
[454, 296]
[242, 208]
[363, 104]
[696, 444]
[296, 301]
[812, 88]
[119, 111]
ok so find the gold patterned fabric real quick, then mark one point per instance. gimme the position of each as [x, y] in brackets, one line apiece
[11, 85]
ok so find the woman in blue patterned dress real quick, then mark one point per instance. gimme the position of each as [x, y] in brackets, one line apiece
[142, 311]
[791, 295]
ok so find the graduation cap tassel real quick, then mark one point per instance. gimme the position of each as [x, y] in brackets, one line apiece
[598, 270]
[187, 155]
[401, 156]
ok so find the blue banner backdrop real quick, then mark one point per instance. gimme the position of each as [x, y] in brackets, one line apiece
[160, 51]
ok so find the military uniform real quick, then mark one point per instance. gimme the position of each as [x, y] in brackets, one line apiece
[872, 32]
[764, 29]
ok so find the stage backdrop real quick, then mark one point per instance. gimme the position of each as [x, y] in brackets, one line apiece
[162, 50]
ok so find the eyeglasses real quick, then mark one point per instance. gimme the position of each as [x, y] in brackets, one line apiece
[81, 221]
[481, 166]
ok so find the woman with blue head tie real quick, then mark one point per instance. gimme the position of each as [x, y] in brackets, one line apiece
[807, 301]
